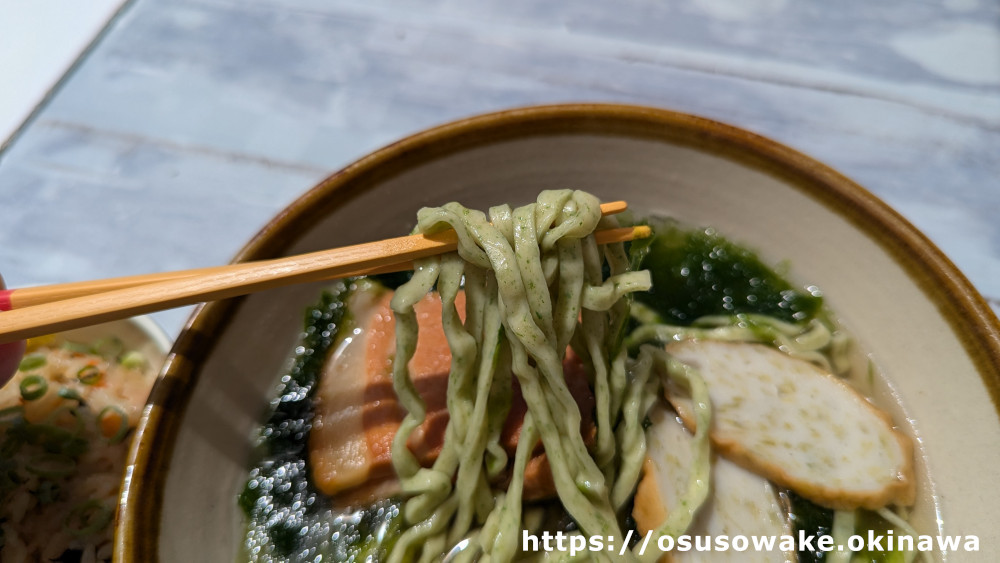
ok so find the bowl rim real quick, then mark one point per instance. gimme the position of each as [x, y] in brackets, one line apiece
[968, 314]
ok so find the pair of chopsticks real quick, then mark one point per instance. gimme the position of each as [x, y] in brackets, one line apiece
[36, 311]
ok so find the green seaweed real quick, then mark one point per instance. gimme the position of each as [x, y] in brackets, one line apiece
[811, 519]
[697, 272]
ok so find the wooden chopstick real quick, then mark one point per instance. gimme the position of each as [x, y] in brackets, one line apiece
[238, 279]
[23, 297]
[29, 296]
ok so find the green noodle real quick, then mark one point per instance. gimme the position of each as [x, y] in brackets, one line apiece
[534, 284]
[813, 341]
[678, 521]
[843, 527]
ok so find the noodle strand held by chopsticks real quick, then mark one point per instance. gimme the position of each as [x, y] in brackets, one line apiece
[534, 283]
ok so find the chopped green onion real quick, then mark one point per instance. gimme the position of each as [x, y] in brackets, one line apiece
[76, 347]
[74, 447]
[29, 433]
[39, 434]
[47, 492]
[53, 417]
[108, 348]
[33, 387]
[32, 361]
[8, 448]
[71, 394]
[51, 438]
[89, 375]
[122, 426]
[88, 518]
[9, 481]
[133, 359]
[51, 465]
[10, 415]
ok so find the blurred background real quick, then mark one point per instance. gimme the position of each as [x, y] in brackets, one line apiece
[154, 135]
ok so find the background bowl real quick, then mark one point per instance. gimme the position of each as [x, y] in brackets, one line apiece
[141, 334]
[926, 329]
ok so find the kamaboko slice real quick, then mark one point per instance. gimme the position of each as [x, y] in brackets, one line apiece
[741, 503]
[793, 423]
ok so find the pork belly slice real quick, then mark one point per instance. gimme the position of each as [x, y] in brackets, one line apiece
[800, 427]
[357, 412]
[340, 457]
[740, 502]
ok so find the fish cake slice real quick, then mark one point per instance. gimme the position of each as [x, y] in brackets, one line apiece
[741, 502]
[793, 423]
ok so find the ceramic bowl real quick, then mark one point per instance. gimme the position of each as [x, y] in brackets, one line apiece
[917, 318]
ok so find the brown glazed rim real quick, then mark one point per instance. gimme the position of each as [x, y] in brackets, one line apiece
[968, 314]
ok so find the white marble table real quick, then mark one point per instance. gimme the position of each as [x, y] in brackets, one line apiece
[193, 121]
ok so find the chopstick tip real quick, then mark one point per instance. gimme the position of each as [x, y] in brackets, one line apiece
[642, 231]
[613, 207]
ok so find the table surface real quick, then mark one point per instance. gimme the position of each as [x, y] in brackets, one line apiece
[192, 122]
[39, 42]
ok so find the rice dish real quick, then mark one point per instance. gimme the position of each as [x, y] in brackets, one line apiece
[67, 417]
